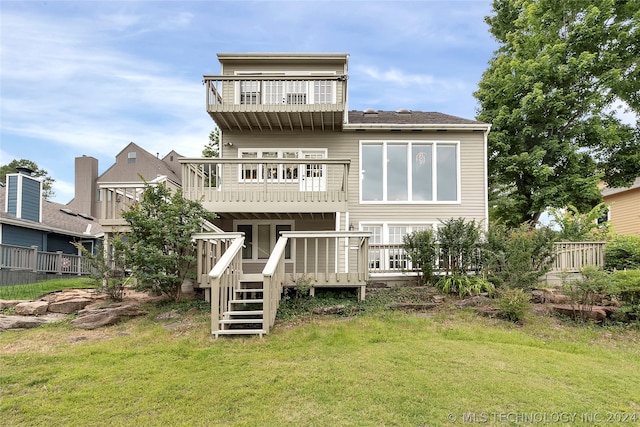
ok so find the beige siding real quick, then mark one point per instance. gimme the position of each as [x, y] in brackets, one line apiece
[346, 145]
[625, 211]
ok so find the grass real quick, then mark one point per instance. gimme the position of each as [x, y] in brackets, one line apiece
[35, 290]
[368, 367]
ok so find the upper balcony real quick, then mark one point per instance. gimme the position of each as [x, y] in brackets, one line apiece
[277, 103]
[267, 185]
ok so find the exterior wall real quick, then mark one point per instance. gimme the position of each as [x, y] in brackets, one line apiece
[624, 211]
[31, 199]
[18, 236]
[145, 164]
[346, 145]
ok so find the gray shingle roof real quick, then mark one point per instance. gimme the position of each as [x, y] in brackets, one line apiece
[407, 117]
[53, 218]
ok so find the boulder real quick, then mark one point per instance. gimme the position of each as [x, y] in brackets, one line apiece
[95, 318]
[31, 308]
[8, 303]
[584, 312]
[26, 322]
[68, 306]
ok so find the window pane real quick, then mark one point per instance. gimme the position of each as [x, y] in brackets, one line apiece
[323, 92]
[447, 174]
[397, 181]
[290, 170]
[250, 171]
[270, 169]
[264, 241]
[376, 233]
[372, 172]
[248, 240]
[421, 174]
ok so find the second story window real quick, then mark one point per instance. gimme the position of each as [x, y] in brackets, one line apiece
[249, 92]
[131, 157]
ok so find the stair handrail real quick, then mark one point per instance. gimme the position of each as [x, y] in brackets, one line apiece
[223, 278]
[273, 280]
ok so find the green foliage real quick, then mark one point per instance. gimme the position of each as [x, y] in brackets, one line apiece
[159, 249]
[622, 252]
[47, 181]
[514, 304]
[550, 93]
[463, 285]
[580, 227]
[421, 248]
[458, 240]
[517, 258]
[108, 268]
[212, 148]
[589, 290]
[626, 286]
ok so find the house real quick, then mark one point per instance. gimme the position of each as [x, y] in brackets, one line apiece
[132, 163]
[37, 235]
[309, 193]
[624, 214]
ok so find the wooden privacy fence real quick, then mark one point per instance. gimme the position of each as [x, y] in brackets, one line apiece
[31, 259]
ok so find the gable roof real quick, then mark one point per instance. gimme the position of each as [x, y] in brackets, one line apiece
[403, 118]
[55, 219]
[609, 191]
[147, 165]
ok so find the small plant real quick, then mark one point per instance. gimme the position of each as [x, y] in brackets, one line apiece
[304, 284]
[108, 269]
[622, 252]
[464, 285]
[514, 304]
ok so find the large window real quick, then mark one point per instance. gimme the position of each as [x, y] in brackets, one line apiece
[409, 171]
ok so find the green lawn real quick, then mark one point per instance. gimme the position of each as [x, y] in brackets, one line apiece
[32, 291]
[377, 368]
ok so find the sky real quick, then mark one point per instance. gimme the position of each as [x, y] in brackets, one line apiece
[87, 77]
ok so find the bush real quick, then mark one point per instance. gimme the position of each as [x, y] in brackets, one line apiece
[622, 252]
[421, 248]
[626, 286]
[517, 258]
[464, 285]
[459, 241]
[514, 304]
[588, 291]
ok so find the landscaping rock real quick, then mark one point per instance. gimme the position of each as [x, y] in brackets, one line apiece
[8, 303]
[336, 309]
[98, 317]
[69, 306]
[487, 311]
[31, 308]
[414, 306]
[26, 322]
[595, 313]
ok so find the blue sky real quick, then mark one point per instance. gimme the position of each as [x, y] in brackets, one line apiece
[85, 78]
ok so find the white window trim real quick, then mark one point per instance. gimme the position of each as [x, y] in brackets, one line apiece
[434, 159]
[254, 229]
[280, 151]
[310, 88]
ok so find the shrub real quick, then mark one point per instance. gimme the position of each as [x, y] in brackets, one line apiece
[626, 286]
[622, 252]
[463, 285]
[108, 269]
[514, 304]
[459, 240]
[421, 248]
[517, 258]
[587, 291]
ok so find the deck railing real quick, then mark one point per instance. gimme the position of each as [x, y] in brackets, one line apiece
[31, 259]
[241, 183]
[210, 248]
[273, 281]
[275, 91]
[117, 197]
[224, 279]
[568, 257]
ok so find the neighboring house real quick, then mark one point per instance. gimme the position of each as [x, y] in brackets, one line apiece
[624, 208]
[27, 220]
[132, 163]
[312, 193]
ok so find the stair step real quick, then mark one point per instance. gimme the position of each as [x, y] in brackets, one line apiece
[250, 290]
[255, 277]
[234, 321]
[243, 313]
[240, 332]
[246, 301]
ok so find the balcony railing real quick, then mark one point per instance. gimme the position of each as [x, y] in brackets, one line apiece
[31, 259]
[276, 102]
[117, 197]
[269, 185]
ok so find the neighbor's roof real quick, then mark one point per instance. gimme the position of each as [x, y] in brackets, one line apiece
[404, 117]
[55, 219]
[609, 191]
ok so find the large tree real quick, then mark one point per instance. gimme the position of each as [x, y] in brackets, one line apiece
[550, 93]
[47, 181]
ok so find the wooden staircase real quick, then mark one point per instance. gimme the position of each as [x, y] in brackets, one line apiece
[244, 313]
